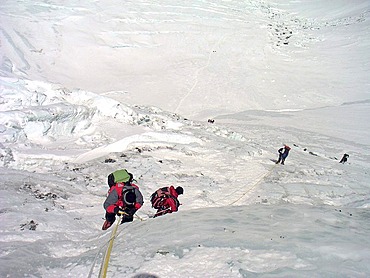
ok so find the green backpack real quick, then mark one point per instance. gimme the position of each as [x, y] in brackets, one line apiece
[119, 176]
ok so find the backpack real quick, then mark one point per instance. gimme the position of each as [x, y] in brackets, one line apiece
[159, 196]
[125, 199]
[122, 189]
[119, 176]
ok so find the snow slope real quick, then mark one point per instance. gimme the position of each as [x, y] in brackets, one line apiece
[87, 88]
[224, 56]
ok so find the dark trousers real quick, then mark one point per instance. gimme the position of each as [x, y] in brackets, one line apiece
[111, 217]
[281, 159]
[343, 160]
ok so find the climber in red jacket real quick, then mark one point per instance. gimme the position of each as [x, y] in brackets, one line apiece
[165, 200]
[124, 198]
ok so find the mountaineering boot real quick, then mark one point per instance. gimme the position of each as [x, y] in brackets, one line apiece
[106, 225]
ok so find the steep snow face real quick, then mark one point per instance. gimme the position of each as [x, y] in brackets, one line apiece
[225, 56]
[241, 214]
[147, 71]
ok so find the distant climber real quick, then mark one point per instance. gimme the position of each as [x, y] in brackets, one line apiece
[344, 158]
[165, 200]
[124, 198]
[283, 154]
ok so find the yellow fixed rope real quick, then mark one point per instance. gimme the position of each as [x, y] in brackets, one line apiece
[138, 217]
[245, 193]
[104, 266]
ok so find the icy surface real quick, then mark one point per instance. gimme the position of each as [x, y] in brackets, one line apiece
[88, 88]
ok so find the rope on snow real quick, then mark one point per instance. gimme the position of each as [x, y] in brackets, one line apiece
[105, 262]
[96, 258]
[104, 265]
[258, 182]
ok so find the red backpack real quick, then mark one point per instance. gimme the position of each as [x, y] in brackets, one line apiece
[159, 196]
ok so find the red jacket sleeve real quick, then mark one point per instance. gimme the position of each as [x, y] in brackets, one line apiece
[172, 204]
[112, 201]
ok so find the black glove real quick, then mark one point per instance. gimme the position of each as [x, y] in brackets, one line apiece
[127, 218]
[119, 211]
[130, 210]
